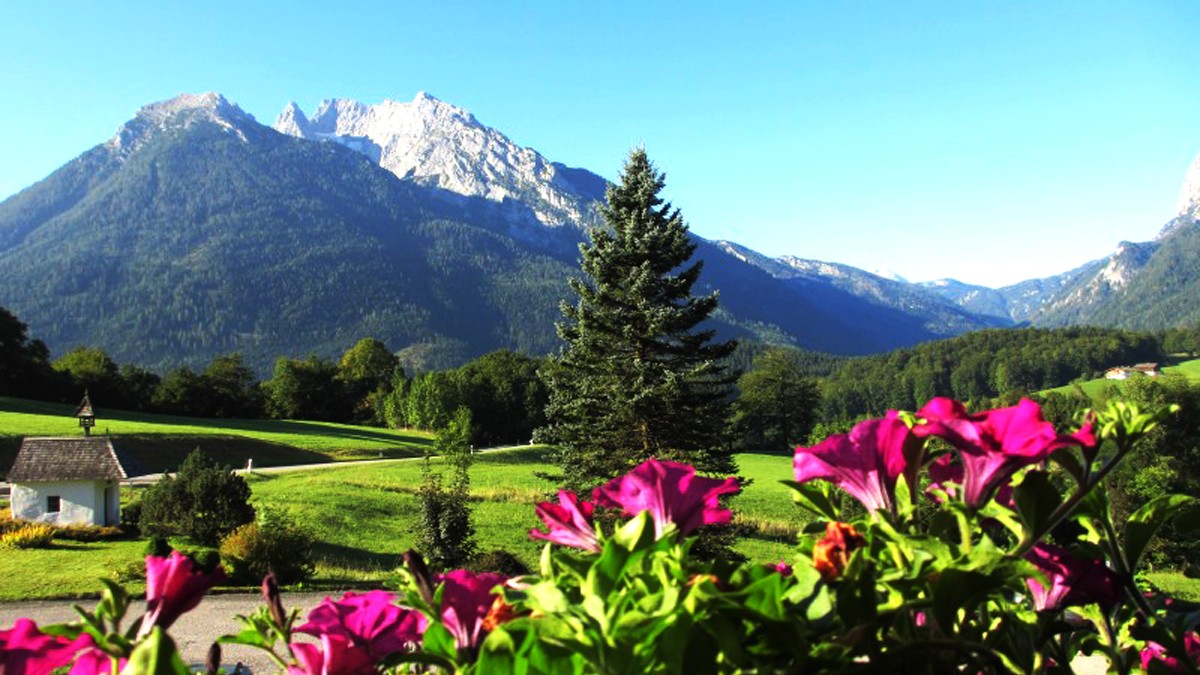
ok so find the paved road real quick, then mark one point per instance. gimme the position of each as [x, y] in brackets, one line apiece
[194, 632]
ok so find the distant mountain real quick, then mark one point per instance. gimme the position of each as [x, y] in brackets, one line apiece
[1145, 286]
[936, 314]
[196, 231]
[1020, 302]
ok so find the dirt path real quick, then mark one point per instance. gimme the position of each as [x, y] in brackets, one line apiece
[194, 632]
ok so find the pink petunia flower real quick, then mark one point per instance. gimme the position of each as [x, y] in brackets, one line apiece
[1156, 652]
[334, 655]
[570, 522]
[371, 621]
[25, 650]
[174, 586]
[672, 493]
[96, 662]
[1073, 581]
[994, 444]
[943, 471]
[865, 463]
[467, 600]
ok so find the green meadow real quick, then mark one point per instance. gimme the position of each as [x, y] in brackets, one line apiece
[160, 442]
[364, 517]
[1098, 388]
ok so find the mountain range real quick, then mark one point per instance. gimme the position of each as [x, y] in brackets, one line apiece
[196, 231]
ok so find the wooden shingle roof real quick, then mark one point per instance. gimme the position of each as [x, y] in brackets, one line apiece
[71, 458]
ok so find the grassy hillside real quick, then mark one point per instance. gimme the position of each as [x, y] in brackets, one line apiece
[160, 442]
[1095, 388]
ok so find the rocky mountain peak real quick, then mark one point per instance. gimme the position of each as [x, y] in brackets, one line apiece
[180, 112]
[441, 145]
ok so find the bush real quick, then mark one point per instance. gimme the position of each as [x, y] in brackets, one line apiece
[203, 502]
[131, 513]
[157, 545]
[498, 561]
[87, 533]
[273, 543]
[27, 535]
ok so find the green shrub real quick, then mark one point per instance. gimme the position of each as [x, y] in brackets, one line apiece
[131, 513]
[28, 535]
[88, 533]
[205, 557]
[498, 561]
[203, 502]
[273, 543]
[157, 545]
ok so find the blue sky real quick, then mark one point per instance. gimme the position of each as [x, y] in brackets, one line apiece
[986, 141]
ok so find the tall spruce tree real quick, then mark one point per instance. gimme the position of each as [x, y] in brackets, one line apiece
[638, 377]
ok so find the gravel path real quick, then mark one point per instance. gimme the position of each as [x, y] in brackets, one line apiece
[194, 632]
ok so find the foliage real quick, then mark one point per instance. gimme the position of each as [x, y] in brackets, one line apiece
[27, 535]
[306, 389]
[972, 582]
[777, 403]
[1168, 462]
[980, 366]
[638, 378]
[446, 531]
[88, 532]
[24, 363]
[272, 544]
[369, 371]
[204, 501]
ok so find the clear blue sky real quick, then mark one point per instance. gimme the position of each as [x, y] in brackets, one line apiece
[986, 141]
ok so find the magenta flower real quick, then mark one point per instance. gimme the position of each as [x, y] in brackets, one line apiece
[994, 444]
[570, 522]
[335, 655]
[943, 471]
[371, 621]
[25, 650]
[1073, 581]
[96, 662]
[174, 586]
[671, 493]
[467, 600]
[1156, 652]
[865, 462]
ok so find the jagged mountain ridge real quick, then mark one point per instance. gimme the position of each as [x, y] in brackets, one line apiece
[196, 231]
[437, 144]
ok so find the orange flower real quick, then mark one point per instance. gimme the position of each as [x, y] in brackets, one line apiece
[501, 612]
[833, 551]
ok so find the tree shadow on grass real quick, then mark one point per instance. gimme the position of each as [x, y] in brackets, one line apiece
[56, 546]
[156, 454]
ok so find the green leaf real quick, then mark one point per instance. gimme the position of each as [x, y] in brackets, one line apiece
[957, 589]
[814, 496]
[1036, 499]
[155, 655]
[439, 642]
[1146, 521]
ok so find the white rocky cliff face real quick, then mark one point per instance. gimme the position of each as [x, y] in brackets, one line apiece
[440, 145]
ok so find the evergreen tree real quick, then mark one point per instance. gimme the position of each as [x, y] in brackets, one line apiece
[638, 377]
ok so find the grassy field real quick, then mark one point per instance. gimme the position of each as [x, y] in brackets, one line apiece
[160, 442]
[364, 517]
[1096, 389]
